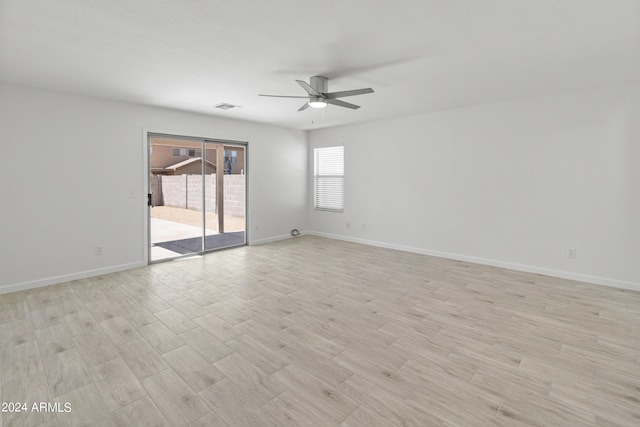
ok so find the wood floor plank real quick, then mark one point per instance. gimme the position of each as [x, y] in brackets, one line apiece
[313, 362]
[363, 416]
[38, 298]
[119, 330]
[175, 320]
[138, 316]
[86, 291]
[261, 386]
[53, 340]
[174, 398]
[227, 312]
[443, 403]
[313, 341]
[235, 407]
[544, 411]
[45, 316]
[209, 347]
[316, 392]
[66, 372]
[80, 323]
[107, 308]
[386, 378]
[290, 410]
[217, 327]
[594, 400]
[95, 348]
[160, 337]
[142, 359]
[212, 419]
[151, 302]
[264, 334]
[141, 413]
[116, 384]
[257, 354]
[86, 408]
[388, 407]
[20, 361]
[188, 308]
[27, 390]
[15, 333]
[193, 368]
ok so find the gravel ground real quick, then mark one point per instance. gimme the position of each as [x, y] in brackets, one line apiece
[191, 217]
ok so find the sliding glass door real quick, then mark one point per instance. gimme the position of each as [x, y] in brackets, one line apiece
[197, 195]
[226, 224]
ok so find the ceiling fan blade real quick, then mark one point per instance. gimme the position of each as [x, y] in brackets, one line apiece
[342, 94]
[283, 96]
[308, 89]
[304, 107]
[341, 103]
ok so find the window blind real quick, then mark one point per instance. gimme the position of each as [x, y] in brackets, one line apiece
[329, 178]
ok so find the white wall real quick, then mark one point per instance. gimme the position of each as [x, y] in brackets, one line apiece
[56, 203]
[512, 184]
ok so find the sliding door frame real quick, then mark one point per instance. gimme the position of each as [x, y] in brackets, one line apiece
[147, 135]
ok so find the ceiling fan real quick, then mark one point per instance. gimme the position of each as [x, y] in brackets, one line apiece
[319, 97]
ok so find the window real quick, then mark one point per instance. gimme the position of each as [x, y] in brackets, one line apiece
[232, 155]
[184, 152]
[328, 177]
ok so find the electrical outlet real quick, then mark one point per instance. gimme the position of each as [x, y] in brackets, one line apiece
[132, 194]
[571, 253]
[98, 250]
[348, 225]
[363, 227]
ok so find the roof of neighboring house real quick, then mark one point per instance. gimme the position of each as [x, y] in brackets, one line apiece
[187, 162]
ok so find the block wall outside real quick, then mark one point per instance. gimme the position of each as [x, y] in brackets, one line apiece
[173, 190]
[234, 195]
[185, 191]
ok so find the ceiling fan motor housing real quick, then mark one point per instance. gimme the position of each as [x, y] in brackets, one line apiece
[319, 84]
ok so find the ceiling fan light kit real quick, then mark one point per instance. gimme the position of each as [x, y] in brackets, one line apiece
[319, 96]
[317, 102]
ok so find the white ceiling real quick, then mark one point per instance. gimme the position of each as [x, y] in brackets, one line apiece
[418, 55]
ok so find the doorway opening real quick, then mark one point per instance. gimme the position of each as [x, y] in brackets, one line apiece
[197, 195]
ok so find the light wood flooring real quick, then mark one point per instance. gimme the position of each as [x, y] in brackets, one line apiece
[317, 332]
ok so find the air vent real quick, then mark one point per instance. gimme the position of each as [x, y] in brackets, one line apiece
[225, 106]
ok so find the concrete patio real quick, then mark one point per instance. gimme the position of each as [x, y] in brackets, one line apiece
[168, 224]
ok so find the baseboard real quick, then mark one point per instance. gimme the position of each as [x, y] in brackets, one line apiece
[269, 239]
[494, 263]
[68, 277]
